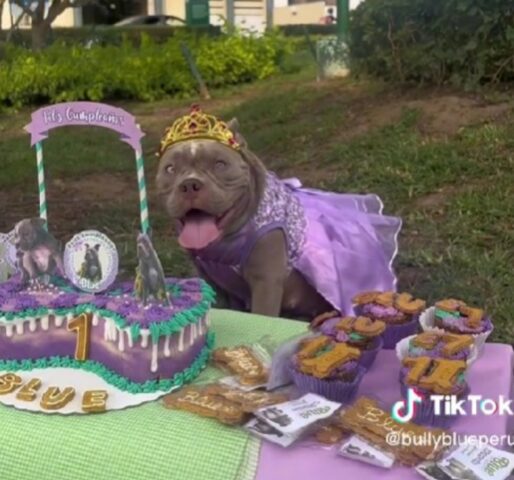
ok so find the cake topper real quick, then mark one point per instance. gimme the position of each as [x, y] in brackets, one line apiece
[91, 261]
[38, 253]
[149, 273]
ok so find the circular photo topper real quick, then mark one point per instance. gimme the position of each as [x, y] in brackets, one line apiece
[91, 261]
[8, 251]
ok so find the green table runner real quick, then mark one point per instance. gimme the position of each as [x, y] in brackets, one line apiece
[141, 443]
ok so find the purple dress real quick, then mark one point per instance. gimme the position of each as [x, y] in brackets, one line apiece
[341, 243]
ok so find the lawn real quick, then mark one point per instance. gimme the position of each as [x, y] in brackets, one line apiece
[442, 160]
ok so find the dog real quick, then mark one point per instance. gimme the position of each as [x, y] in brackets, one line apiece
[38, 253]
[91, 268]
[268, 246]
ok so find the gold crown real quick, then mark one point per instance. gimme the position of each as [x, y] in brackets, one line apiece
[198, 125]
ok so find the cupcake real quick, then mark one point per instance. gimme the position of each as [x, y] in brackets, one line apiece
[438, 345]
[328, 368]
[456, 317]
[433, 376]
[399, 311]
[360, 332]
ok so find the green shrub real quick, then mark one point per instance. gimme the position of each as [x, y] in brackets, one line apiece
[462, 42]
[148, 72]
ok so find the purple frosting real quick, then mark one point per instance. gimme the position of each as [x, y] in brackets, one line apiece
[458, 323]
[119, 299]
[437, 352]
[379, 311]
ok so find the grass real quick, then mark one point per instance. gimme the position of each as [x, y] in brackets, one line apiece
[455, 194]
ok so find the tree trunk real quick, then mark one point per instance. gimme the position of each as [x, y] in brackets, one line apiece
[40, 32]
[1, 13]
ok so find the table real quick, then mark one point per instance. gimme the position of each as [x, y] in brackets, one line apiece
[152, 443]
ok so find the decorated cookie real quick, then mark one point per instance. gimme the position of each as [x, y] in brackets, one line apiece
[243, 362]
[249, 401]
[433, 376]
[91, 261]
[195, 400]
[367, 420]
[436, 344]
[328, 368]
[399, 311]
[457, 317]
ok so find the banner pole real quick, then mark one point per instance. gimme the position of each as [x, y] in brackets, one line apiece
[41, 183]
[143, 199]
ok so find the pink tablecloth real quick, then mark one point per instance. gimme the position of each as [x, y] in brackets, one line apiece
[490, 376]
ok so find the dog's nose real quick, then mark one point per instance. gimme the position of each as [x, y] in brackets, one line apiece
[191, 186]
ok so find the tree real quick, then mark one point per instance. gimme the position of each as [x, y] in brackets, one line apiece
[42, 17]
[1, 12]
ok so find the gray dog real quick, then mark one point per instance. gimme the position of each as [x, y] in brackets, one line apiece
[268, 245]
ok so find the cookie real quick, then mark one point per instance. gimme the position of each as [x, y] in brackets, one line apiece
[194, 400]
[365, 297]
[442, 377]
[322, 365]
[426, 340]
[320, 319]
[329, 434]
[367, 420]
[309, 347]
[249, 401]
[407, 304]
[362, 325]
[474, 316]
[55, 399]
[449, 305]
[456, 343]
[243, 362]
[9, 382]
[386, 299]
[95, 401]
[28, 392]
[418, 367]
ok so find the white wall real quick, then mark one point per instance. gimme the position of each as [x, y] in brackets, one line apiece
[69, 18]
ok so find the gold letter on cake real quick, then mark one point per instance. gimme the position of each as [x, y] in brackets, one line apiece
[54, 399]
[94, 401]
[28, 392]
[82, 324]
[9, 382]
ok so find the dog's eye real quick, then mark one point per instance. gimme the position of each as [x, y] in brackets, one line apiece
[170, 169]
[220, 164]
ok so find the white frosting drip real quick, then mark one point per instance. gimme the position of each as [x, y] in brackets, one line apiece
[121, 341]
[129, 338]
[192, 333]
[44, 322]
[9, 330]
[110, 330]
[200, 326]
[95, 320]
[19, 328]
[155, 351]
[181, 341]
[167, 351]
[32, 324]
[58, 320]
[145, 334]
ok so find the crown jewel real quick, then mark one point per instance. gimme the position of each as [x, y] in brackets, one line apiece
[198, 125]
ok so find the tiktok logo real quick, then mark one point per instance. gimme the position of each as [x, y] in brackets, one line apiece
[403, 411]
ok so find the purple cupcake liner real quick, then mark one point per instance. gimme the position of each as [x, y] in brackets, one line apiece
[368, 357]
[424, 411]
[336, 390]
[394, 333]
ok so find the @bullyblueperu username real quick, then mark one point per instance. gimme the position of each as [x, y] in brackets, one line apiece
[404, 411]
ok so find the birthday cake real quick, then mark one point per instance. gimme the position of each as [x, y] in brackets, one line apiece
[67, 323]
[134, 347]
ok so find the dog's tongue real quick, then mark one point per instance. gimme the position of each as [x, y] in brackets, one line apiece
[198, 231]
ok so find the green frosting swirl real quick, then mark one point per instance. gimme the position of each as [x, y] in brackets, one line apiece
[175, 324]
[118, 381]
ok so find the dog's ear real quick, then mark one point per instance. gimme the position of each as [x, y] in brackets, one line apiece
[233, 125]
[86, 245]
[38, 222]
[97, 247]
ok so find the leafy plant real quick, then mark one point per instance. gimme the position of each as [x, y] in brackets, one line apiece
[146, 72]
[462, 42]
